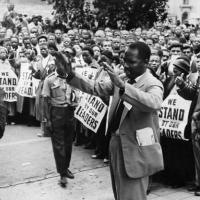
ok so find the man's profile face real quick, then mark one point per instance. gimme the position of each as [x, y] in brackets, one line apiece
[177, 72]
[134, 65]
[149, 42]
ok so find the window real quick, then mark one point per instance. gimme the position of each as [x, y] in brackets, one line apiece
[185, 2]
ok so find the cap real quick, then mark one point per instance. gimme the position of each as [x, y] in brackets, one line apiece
[182, 64]
[107, 54]
[52, 45]
[42, 36]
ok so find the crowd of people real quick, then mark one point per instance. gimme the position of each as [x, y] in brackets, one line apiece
[174, 60]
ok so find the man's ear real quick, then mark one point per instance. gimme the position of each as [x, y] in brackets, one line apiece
[146, 61]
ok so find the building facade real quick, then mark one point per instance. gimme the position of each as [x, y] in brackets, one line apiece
[185, 10]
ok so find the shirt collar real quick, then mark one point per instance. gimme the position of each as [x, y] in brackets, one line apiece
[139, 77]
[56, 73]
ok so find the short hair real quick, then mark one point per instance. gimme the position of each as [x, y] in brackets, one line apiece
[176, 45]
[158, 52]
[187, 46]
[14, 37]
[198, 55]
[26, 38]
[143, 50]
[90, 50]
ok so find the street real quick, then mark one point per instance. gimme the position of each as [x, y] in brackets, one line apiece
[27, 164]
[28, 172]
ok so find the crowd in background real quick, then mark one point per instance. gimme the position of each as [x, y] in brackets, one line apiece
[33, 39]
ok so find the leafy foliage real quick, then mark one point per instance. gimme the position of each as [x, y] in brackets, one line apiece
[132, 13]
[114, 13]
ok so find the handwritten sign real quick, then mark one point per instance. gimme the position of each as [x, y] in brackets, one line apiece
[27, 84]
[88, 72]
[174, 116]
[8, 82]
[90, 111]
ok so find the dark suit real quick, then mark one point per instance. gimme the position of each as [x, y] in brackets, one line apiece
[145, 97]
[3, 113]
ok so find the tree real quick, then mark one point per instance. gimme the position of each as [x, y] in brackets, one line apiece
[64, 6]
[132, 13]
[76, 13]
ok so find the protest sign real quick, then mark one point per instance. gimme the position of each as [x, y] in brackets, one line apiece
[27, 84]
[90, 111]
[8, 82]
[88, 72]
[174, 116]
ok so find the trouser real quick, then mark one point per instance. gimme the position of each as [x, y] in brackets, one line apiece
[62, 119]
[196, 151]
[124, 187]
[101, 139]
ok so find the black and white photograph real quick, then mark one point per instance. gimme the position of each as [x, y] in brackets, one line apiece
[99, 99]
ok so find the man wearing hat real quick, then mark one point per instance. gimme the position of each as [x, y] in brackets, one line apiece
[191, 92]
[42, 39]
[177, 153]
[35, 23]
[181, 65]
[3, 113]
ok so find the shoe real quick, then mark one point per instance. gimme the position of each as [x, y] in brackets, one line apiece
[97, 156]
[69, 174]
[40, 134]
[177, 185]
[63, 181]
[105, 161]
[148, 191]
[197, 193]
[89, 146]
[76, 144]
[43, 135]
[193, 188]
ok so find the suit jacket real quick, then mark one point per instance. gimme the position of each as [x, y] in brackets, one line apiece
[145, 97]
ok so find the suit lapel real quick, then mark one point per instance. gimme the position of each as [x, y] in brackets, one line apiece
[116, 99]
[139, 84]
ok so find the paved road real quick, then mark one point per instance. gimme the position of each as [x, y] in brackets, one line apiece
[24, 156]
[28, 172]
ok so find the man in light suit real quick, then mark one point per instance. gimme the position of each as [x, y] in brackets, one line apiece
[134, 109]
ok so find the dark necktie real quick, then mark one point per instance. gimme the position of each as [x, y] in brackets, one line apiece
[118, 114]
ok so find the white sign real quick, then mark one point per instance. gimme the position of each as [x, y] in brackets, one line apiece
[88, 72]
[8, 82]
[27, 84]
[174, 116]
[90, 111]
